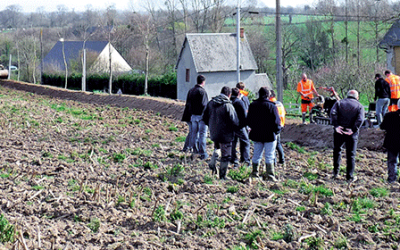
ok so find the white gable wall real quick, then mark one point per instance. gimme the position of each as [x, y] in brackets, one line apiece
[102, 63]
[186, 62]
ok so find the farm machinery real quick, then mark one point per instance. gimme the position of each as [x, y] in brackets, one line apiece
[323, 105]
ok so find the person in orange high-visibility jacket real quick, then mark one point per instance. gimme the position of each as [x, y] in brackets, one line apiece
[306, 89]
[282, 113]
[394, 83]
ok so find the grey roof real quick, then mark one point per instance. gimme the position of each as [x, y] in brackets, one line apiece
[214, 52]
[392, 37]
[262, 79]
[72, 50]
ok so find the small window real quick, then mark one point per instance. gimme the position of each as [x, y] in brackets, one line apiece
[187, 75]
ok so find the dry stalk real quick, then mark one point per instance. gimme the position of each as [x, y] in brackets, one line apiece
[197, 211]
[316, 199]
[39, 241]
[306, 237]
[22, 240]
[320, 228]
[249, 212]
[155, 206]
[37, 193]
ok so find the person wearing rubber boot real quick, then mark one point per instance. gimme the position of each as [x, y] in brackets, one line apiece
[282, 113]
[241, 133]
[264, 122]
[306, 89]
[347, 116]
[222, 120]
[391, 124]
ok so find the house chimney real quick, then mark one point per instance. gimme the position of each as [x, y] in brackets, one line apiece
[241, 32]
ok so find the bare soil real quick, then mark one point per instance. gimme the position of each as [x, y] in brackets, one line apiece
[76, 175]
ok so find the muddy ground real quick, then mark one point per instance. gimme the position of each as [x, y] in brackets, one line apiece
[88, 176]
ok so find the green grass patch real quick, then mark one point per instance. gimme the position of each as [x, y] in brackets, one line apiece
[379, 192]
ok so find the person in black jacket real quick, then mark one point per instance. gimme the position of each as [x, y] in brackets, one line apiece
[221, 117]
[347, 116]
[382, 97]
[241, 131]
[197, 100]
[263, 120]
[186, 118]
[391, 124]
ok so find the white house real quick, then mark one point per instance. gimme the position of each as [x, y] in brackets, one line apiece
[214, 55]
[98, 54]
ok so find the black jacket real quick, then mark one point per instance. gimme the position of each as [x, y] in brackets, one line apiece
[382, 89]
[263, 120]
[186, 112]
[391, 123]
[196, 100]
[240, 109]
[348, 113]
[221, 118]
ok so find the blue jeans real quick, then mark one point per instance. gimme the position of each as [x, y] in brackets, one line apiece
[269, 151]
[392, 161]
[381, 109]
[198, 137]
[187, 147]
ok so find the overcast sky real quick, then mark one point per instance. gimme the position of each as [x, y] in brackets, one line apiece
[81, 5]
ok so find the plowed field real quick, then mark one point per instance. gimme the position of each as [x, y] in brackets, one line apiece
[86, 176]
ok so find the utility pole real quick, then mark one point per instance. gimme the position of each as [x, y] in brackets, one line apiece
[279, 73]
[41, 56]
[347, 41]
[238, 40]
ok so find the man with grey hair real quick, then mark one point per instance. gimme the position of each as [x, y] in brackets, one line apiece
[391, 124]
[347, 116]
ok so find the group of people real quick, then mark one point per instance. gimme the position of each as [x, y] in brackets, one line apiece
[387, 96]
[229, 116]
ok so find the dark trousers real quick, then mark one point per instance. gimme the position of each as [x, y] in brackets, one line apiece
[244, 145]
[279, 148]
[351, 146]
[392, 161]
[226, 150]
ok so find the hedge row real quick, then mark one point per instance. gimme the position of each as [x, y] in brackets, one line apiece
[133, 84]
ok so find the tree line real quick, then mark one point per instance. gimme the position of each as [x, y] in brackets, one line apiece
[334, 42]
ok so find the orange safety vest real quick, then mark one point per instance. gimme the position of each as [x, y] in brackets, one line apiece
[244, 92]
[281, 110]
[305, 87]
[394, 83]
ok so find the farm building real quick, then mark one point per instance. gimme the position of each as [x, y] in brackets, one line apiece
[214, 56]
[391, 44]
[97, 54]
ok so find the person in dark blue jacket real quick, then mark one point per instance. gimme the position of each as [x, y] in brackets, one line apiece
[263, 120]
[347, 116]
[391, 124]
[241, 133]
[221, 117]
